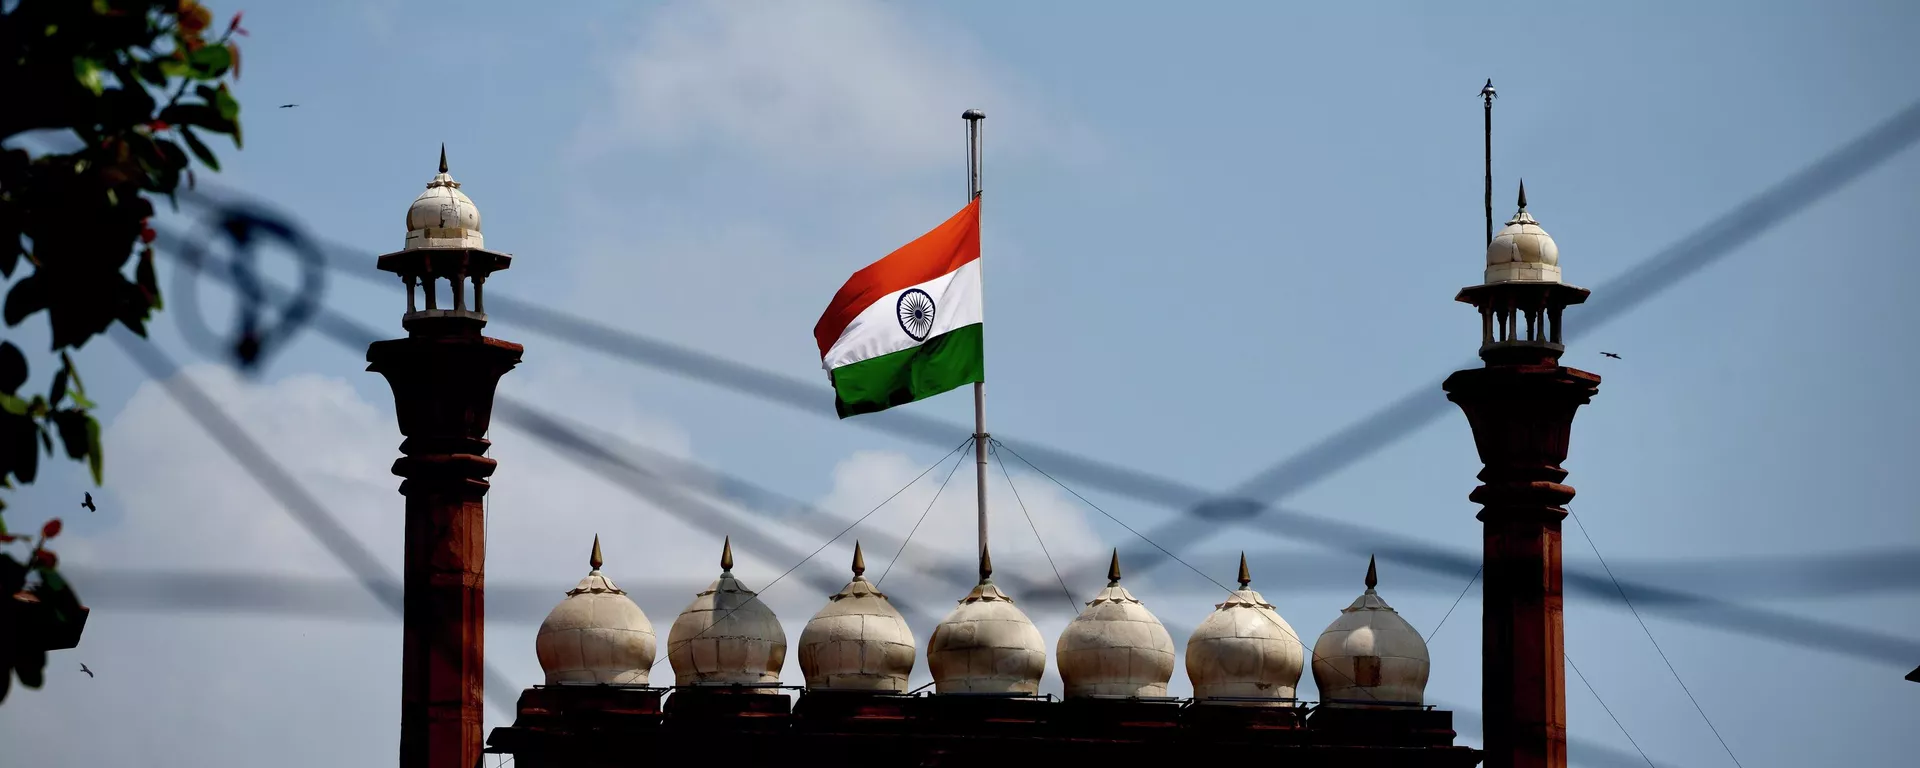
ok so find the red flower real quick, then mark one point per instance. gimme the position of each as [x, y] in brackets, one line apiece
[158, 126]
[45, 558]
[51, 529]
[234, 26]
[147, 234]
[194, 17]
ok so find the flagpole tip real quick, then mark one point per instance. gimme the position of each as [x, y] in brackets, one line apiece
[973, 114]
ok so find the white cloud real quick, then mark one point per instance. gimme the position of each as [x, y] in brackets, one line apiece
[187, 505]
[833, 84]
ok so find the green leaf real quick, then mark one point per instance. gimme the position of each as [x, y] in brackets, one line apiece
[96, 461]
[13, 367]
[26, 298]
[72, 424]
[144, 277]
[79, 393]
[59, 390]
[224, 102]
[200, 151]
[87, 72]
[211, 61]
[13, 405]
[27, 464]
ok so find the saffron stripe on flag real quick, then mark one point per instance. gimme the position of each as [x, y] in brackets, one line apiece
[948, 247]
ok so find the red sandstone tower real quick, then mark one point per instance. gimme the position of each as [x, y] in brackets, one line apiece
[1521, 406]
[443, 376]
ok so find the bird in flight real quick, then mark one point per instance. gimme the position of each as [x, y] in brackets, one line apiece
[89, 504]
[1610, 354]
[288, 106]
[89, 672]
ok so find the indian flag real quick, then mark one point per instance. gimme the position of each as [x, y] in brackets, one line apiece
[907, 327]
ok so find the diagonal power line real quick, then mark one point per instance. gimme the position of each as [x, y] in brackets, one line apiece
[1345, 447]
[1642, 282]
[1330, 532]
[313, 518]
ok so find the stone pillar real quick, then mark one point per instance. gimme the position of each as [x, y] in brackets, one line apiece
[443, 378]
[1522, 414]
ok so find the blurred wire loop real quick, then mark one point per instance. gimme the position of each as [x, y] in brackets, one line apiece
[233, 237]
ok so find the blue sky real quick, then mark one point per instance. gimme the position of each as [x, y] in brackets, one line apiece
[1212, 236]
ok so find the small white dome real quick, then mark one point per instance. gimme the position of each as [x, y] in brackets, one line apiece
[1370, 654]
[596, 634]
[1116, 647]
[727, 636]
[443, 216]
[1244, 649]
[1523, 251]
[859, 641]
[986, 645]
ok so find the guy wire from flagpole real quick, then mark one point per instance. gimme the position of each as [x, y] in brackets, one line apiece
[980, 437]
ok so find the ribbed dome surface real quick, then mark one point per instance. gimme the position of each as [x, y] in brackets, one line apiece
[1522, 251]
[1370, 654]
[859, 641]
[727, 636]
[596, 634]
[443, 216]
[1115, 647]
[986, 645]
[1244, 649]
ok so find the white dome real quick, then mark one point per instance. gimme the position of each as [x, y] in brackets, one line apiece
[859, 641]
[1523, 251]
[727, 636]
[596, 634]
[1244, 649]
[987, 645]
[1116, 647]
[443, 216]
[1370, 654]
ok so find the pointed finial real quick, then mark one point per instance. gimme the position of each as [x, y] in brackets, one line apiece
[1373, 574]
[595, 560]
[1245, 578]
[443, 157]
[859, 560]
[1523, 194]
[986, 566]
[1113, 569]
[726, 554]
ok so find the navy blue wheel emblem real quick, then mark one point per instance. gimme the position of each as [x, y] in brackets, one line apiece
[916, 313]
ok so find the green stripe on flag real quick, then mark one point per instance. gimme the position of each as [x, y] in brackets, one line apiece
[940, 364]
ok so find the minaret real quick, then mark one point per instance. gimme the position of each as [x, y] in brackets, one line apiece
[443, 376]
[1521, 406]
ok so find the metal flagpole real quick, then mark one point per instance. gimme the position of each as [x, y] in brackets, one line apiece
[1487, 95]
[973, 118]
